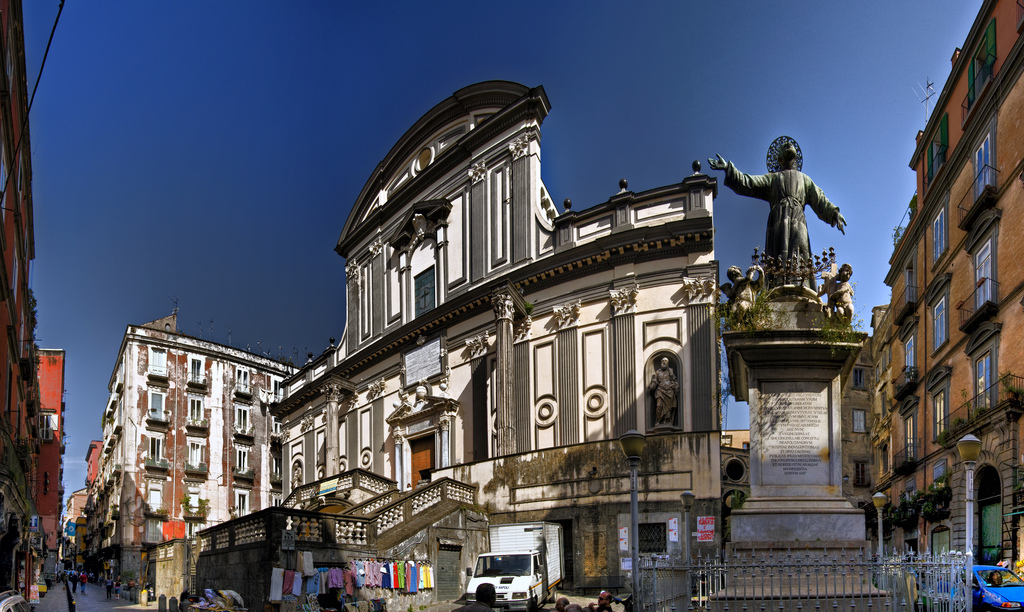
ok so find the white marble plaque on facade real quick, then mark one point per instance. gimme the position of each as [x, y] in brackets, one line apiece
[794, 432]
[423, 362]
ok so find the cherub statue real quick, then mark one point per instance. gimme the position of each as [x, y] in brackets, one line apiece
[840, 293]
[743, 289]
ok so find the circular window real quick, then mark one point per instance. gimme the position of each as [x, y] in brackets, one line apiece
[424, 158]
[735, 470]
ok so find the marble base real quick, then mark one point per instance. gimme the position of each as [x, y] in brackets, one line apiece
[788, 521]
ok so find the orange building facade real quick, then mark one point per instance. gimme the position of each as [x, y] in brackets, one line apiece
[949, 352]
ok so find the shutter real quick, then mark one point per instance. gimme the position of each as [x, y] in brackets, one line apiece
[931, 172]
[990, 43]
[970, 83]
[944, 130]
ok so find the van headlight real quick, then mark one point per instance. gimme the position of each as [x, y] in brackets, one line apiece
[519, 595]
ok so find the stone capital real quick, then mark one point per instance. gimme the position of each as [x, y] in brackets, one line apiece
[504, 306]
[477, 345]
[624, 300]
[568, 315]
[520, 146]
[331, 391]
[477, 172]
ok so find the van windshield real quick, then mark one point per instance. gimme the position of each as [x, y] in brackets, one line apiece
[503, 565]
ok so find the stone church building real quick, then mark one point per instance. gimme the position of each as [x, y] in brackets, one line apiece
[498, 345]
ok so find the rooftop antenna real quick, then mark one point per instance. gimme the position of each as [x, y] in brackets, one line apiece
[200, 325]
[929, 91]
[211, 329]
[229, 336]
[174, 300]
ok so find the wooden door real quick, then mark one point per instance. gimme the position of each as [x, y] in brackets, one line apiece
[422, 458]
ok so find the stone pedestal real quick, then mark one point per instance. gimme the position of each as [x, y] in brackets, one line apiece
[793, 381]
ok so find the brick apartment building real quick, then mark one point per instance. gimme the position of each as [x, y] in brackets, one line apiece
[49, 473]
[949, 357]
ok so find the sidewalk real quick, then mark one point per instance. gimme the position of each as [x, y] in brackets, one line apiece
[94, 599]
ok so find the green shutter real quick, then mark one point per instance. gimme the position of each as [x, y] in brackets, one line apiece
[944, 130]
[931, 173]
[990, 43]
[970, 83]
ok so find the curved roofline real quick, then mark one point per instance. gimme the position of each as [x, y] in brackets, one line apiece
[487, 94]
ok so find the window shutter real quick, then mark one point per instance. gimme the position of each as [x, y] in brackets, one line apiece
[970, 83]
[990, 43]
[931, 171]
[944, 130]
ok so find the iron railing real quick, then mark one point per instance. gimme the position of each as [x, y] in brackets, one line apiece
[789, 581]
[985, 294]
[983, 190]
[906, 381]
[905, 458]
[906, 303]
[938, 160]
[973, 410]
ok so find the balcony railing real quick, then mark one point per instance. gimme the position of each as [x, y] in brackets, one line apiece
[198, 424]
[157, 464]
[275, 478]
[982, 75]
[245, 473]
[196, 468]
[975, 410]
[158, 370]
[938, 161]
[980, 196]
[243, 388]
[905, 460]
[196, 379]
[980, 305]
[906, 382]
[906, 304]
[244, 430]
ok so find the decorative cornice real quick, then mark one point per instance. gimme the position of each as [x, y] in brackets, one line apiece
[522, 329]
[477, 346]
[520, 146]
[376, 389]
[699, 290]
[568, 315]
[624, 300]
[477, 172]
[504, 306]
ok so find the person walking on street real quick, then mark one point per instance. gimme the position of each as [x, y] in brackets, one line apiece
[485, 598]
[117, 588]
[73, 579]
[83, 578]
[110, 586]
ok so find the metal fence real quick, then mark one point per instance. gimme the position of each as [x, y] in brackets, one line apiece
[785, 581]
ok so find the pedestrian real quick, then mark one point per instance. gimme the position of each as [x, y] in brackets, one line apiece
[73, 577]
[110, 586]
[117, 587]
[485, 598]
[561, 603]
[83, 578]
[604, 603]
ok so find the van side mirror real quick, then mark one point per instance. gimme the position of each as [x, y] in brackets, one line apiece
[469, 572]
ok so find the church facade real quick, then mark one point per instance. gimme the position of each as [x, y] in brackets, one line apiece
[504, 342]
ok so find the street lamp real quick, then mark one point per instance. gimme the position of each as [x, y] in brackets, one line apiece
[879, 499]
[969, 448]
[632, 443]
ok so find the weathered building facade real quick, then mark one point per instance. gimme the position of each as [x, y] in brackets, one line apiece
[188, 442]
[497, 341]
[49, 475]
[953, 360]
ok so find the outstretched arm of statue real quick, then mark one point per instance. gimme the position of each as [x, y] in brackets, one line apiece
[718, 164]
[840, 221]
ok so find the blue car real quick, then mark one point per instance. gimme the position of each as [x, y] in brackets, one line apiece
[996, 588]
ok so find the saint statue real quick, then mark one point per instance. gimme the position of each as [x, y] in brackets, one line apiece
[296, 476]
[788, 191]
[666, 389]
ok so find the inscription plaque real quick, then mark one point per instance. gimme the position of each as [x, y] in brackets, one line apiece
[423, 362]
[794, 431]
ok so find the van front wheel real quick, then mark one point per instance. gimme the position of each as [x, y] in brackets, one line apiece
[532, 606]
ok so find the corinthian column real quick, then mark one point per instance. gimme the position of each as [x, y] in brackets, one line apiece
[332, 392]
[504, 309]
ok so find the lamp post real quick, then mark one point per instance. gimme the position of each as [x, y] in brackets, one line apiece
[879, 499]
[969, 448]
[632, 443]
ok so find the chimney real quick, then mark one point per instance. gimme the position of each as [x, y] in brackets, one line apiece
[956, 55]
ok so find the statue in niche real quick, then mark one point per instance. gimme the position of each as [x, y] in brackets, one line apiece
[840, 293]
[666, 390]
[788, 191]
[743, 290]
[297, 476]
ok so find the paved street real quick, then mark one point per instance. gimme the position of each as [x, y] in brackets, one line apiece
[94, 599]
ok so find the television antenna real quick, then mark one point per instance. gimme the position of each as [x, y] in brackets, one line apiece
[928, 90]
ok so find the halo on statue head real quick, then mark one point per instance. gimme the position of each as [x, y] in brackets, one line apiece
[772, 159]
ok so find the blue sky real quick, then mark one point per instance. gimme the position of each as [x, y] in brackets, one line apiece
[209, 152]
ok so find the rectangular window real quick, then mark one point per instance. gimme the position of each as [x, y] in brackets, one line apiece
[983, 274]
[858, 378]
[156, 405]
[242, 380]
[155, 499]
[277, 389]
[276, 424]
[982, 379]
[652, 537]
[910, 436]
[937, 150]
[275, 465]
[885, 401]
[910, 357]
[860, 474]
[275, 499]
[910, 486]
[156, 448]
[939, 469]
[241, 503]
[424, 287]
[940, 412]
[242, 458]
[195, 454]
[241, 418]
[194, 528]
[195, 372]
[158, 362]
[47, 425]
[985, 173]
[154, 530]
[859, 421]
[939, 322]
[939, 234]
[195, 409]
[981, 67]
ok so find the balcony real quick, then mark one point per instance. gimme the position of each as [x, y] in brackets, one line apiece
[197, 381]
[157, 373]
[116, 471]
[980, 306]
[243, 473]
[905, 383]
[1007, 393]
[275, 479]
[194, 470]
[904, 461]
[275, 436]
[983, 75]
[157, 465]
[979, 198]
[243, 390]
[197, 426]
[157, 512]
[244, 431]
[938, 160]
[905, 305]
[157, 420]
